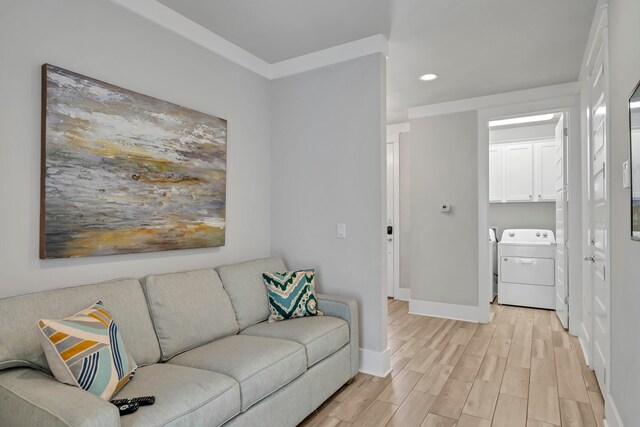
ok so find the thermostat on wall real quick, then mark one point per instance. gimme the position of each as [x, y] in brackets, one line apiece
[445, 208]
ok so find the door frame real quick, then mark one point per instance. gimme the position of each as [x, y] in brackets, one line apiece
[569, 104]
[393, 137]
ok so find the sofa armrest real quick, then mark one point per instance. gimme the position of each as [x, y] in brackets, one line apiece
[32, 398]
[347, 309]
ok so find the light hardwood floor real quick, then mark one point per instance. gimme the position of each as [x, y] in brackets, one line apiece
[522, 369]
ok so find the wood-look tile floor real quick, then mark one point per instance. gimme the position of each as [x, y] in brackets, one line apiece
[522, 369]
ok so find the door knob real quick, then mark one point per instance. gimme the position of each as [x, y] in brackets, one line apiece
[590, 258]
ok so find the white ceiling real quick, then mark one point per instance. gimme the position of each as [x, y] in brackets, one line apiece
[481, 48]
[275, 30]
[477, 47]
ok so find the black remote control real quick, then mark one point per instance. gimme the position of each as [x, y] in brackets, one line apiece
[142, 401]
[128, 408]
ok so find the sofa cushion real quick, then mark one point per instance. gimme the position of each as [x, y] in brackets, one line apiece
[19, 321]
[321, 335]
[243, 283]
[86, 350]
[188, 310]
[261, 365]
[184, 397]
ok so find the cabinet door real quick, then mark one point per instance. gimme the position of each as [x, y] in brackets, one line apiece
[545, 171]
[518, 178]
[496, 171]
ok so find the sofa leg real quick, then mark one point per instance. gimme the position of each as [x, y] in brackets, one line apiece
[351, 380]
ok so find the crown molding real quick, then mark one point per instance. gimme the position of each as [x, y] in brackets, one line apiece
[495, 100]
[173, 21]
[333, 55]
[168, 18]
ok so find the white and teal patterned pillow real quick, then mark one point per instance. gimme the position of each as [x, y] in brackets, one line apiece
[291, 294]
[87, 351]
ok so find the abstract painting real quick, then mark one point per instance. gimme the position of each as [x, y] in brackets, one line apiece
[125, 173]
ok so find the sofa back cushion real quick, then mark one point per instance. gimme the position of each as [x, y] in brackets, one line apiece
[243, 282]
[19, 332]
[188, 309]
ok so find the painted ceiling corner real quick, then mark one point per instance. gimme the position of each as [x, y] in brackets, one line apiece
[168, 18]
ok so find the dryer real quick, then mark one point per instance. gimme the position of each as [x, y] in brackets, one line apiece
[526, 268]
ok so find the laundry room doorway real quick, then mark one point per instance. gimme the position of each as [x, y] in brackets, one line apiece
[529, 220]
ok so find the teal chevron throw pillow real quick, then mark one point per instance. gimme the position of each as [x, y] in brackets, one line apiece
[291, 294]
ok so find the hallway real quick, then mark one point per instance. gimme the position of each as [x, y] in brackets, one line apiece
[522, 369]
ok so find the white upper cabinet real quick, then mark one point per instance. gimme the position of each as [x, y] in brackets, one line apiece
[545, 171]
[518, 177]
[496, 193]
[522, 172]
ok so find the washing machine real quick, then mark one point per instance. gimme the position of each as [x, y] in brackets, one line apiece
[493, 256]
[526, 268]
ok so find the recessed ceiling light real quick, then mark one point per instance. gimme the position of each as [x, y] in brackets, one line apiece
[428, 77]
[520, 120]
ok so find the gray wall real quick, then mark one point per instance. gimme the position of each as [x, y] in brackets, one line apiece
[444, 247]
[522, 215]
[103, 40]
[404, 164]
[624, 57]
[328, 152]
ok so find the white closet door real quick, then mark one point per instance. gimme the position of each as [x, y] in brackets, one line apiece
[559, 174]
[546, 172]
[519, 172]
[495, 174]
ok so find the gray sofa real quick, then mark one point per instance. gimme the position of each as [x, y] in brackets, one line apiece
[203, 347]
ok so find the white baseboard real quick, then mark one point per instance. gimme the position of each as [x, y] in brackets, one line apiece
[468, 313]
[376, 363]
[583, 347]
[611, 414]
[403, 294]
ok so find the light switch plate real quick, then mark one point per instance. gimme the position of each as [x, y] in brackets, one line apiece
[626, 175]
[341, 231]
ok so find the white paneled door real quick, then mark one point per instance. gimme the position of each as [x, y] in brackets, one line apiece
[559, 175]
[598, 258]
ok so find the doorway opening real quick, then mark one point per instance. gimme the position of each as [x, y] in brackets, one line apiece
[528, 213]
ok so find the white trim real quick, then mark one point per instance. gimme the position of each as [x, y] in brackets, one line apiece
[168, 18]
[468, 313]
[393, 137]
[611, 414]
[394, 131]
[520, 140]
[179, 24]
[584, 346]
[495, 100]
[376, 363]
[329, 56]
